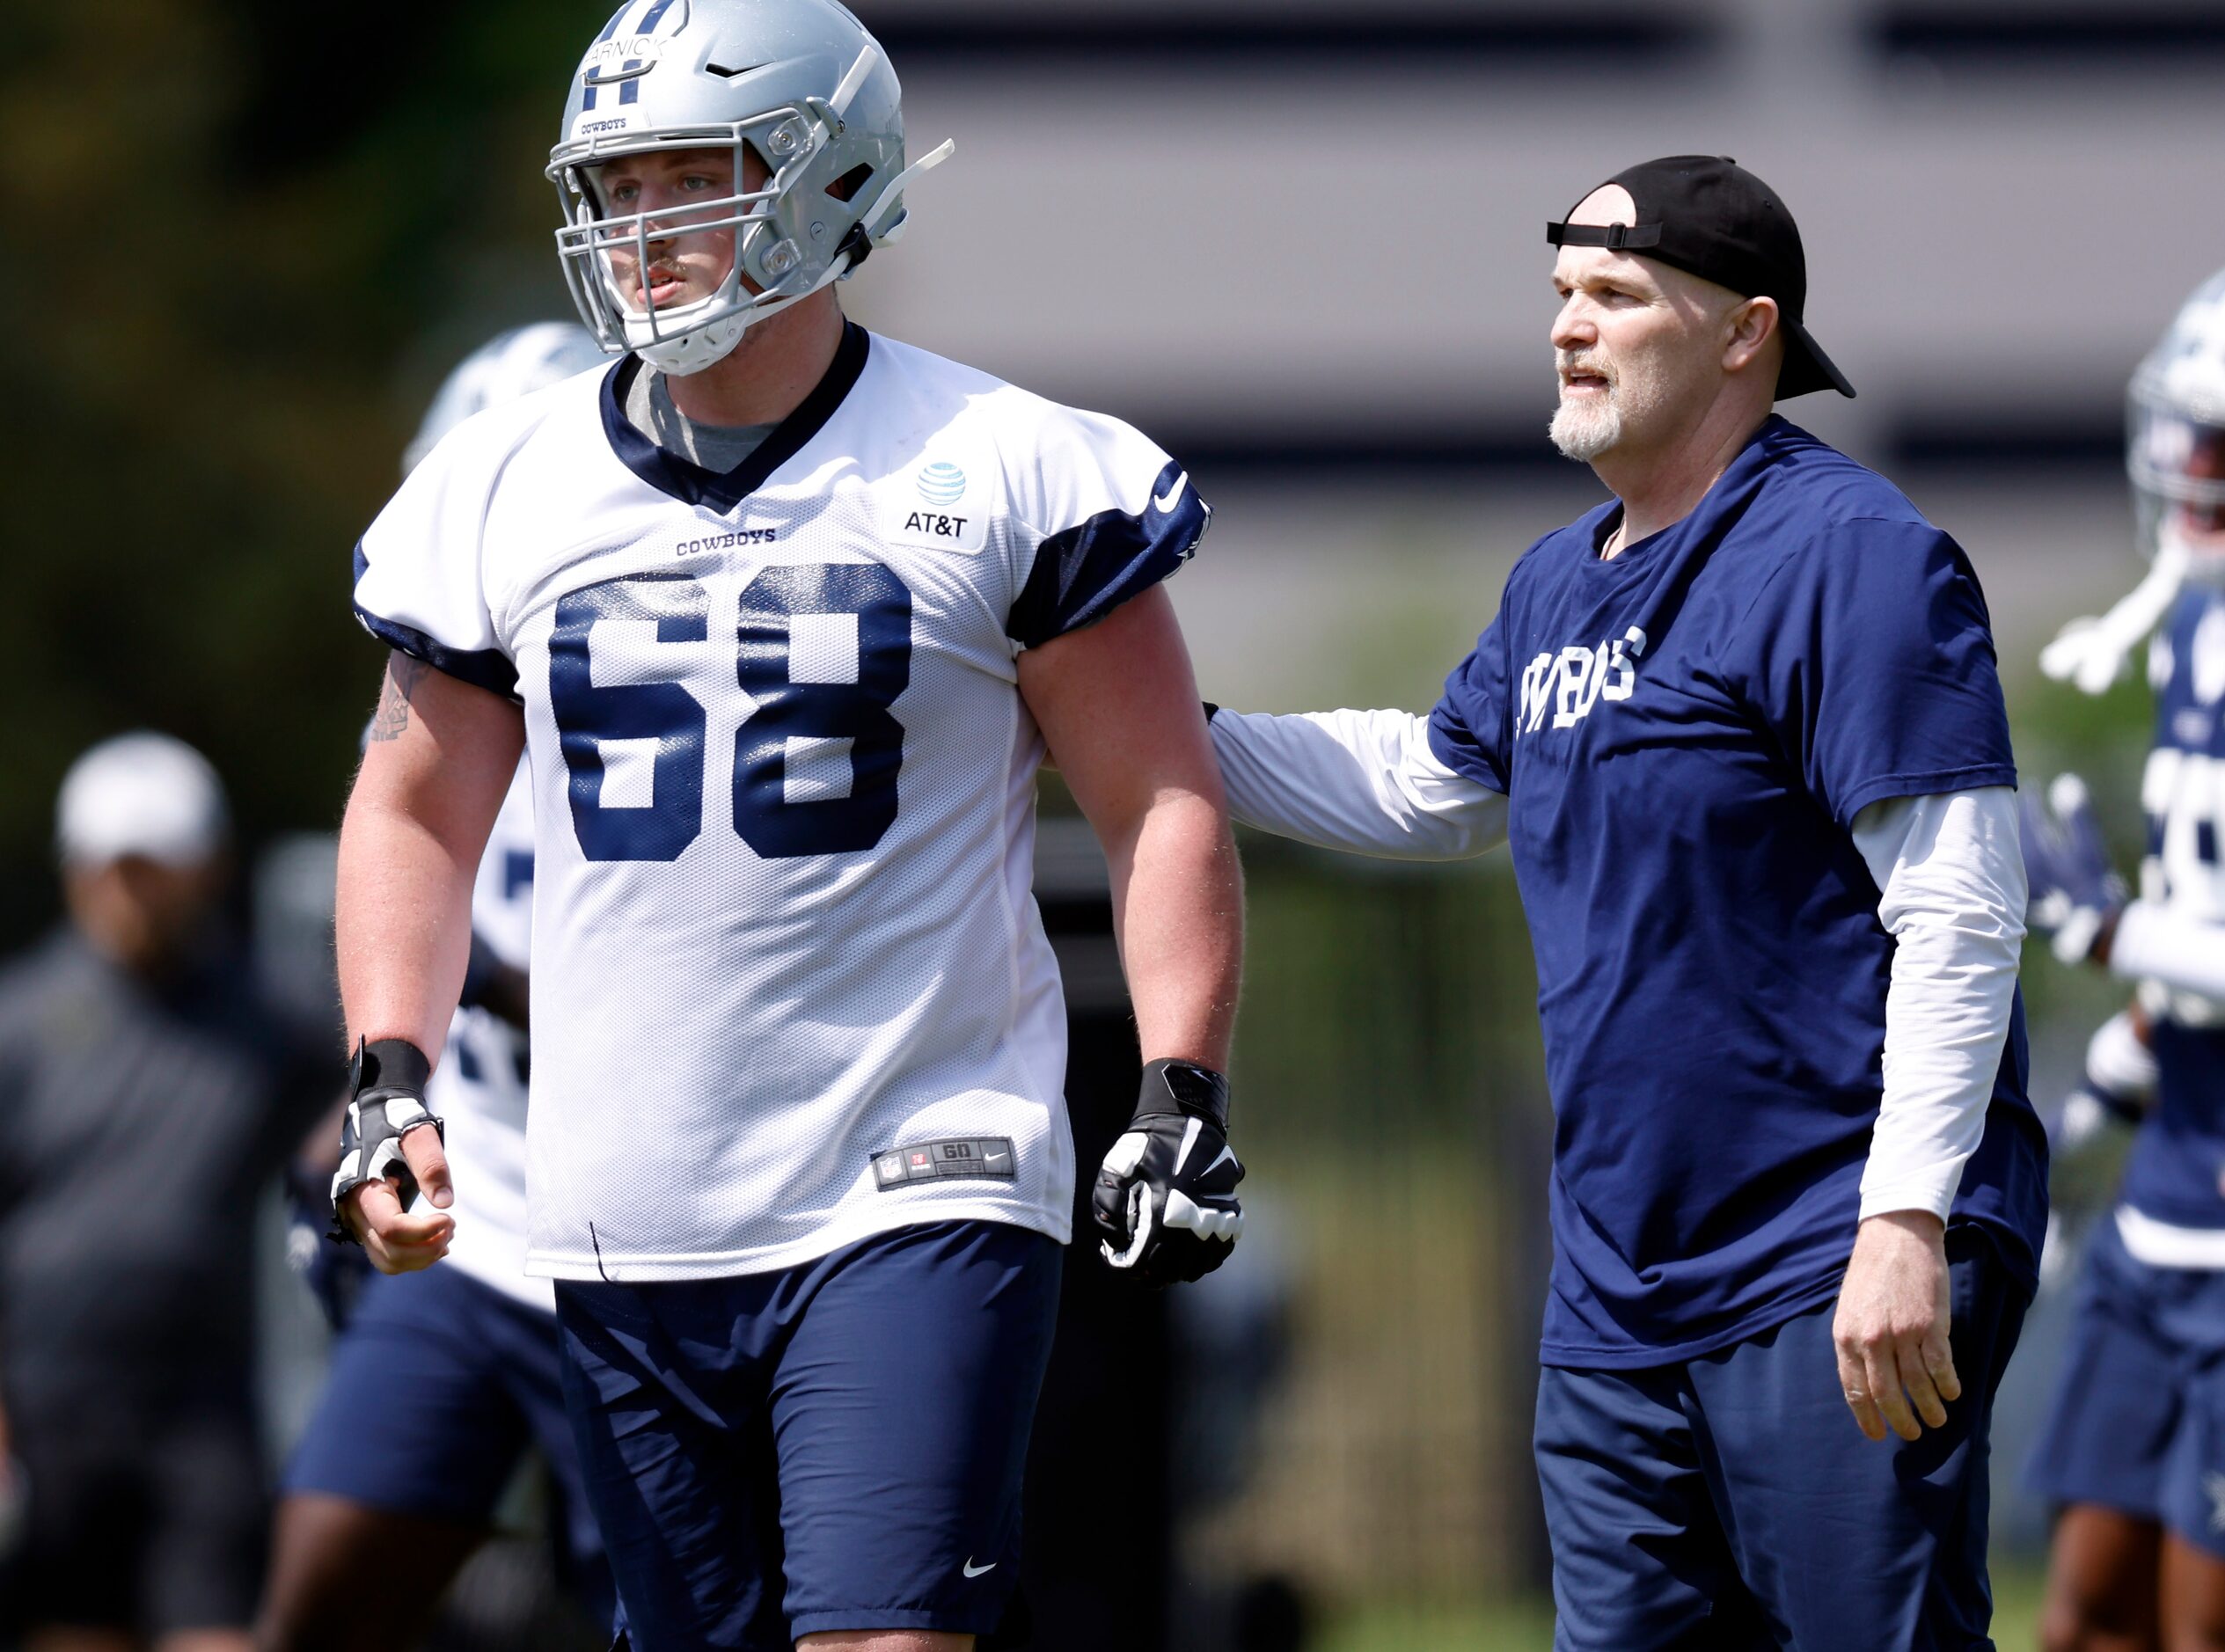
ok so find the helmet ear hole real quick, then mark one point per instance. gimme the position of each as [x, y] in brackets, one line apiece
[847, 186]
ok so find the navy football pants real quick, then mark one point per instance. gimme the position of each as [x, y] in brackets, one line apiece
[1729, 1502]
[2139, 1418]
[835, 1445]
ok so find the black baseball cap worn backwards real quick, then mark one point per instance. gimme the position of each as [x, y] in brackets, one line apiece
[1710, 217]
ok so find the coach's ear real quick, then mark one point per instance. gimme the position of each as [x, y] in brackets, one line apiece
[1752, 341]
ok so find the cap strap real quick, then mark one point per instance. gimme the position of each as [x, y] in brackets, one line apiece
[1614, 236]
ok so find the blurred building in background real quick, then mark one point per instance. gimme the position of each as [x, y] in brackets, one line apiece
[1299, 241]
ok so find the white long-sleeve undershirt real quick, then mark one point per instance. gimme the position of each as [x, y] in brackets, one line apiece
[1366, 782]
[1953, 896]
[1948, 866]
[2156, 942]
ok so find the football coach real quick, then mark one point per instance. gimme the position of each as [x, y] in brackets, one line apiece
[1741, 729]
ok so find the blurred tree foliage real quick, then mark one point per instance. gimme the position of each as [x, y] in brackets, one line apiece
[246, 238]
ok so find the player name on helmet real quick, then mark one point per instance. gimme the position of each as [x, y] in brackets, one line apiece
[647, 49]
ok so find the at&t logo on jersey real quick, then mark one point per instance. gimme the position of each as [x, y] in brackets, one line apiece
[942, 483]
[1570, 684]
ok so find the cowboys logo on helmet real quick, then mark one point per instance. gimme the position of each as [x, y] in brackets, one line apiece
[808, 105]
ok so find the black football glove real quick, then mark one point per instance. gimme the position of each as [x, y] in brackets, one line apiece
[1166, 1195]
[385, 1101]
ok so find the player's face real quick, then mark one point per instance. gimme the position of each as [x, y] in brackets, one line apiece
[144, 914]
[683, 266]
[1636, 343]
[2205, 524]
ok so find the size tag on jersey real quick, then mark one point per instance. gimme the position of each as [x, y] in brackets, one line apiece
[973, 1155]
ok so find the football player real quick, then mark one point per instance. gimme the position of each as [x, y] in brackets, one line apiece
[454, 1372]
[2133, 1454]
[788, 615]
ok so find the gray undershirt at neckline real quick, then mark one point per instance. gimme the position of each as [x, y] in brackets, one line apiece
[649, 409]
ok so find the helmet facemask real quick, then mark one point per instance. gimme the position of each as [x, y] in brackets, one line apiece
[2176, 462]
[605, 253]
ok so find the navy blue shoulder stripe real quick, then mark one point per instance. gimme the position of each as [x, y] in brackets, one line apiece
[1084, 573]
[489, 668]
[723, 490]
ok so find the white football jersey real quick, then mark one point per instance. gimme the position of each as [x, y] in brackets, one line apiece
[789, 984]
[478, 1089]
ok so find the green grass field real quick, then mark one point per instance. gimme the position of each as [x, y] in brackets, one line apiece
[1527, 1627]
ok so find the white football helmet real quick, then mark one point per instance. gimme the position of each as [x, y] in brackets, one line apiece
[508, 365]
[2175, 453]
[2175, 447]
[800, 84]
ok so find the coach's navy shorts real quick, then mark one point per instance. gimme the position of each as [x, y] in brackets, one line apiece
[437, 1386]
[1729, 1502]
[836, 1446]
[2138, 1418]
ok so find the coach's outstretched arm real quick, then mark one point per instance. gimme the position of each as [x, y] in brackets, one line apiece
[1366, 782]
[1117, 706]
[440, 756]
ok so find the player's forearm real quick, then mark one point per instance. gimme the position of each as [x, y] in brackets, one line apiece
[2186, 954]
[1178, 911]
[402, 925]
[440, 756]
[1363, 782]
[1953, 899]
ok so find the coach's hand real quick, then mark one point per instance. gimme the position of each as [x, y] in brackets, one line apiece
[1891, 1330]
[385, 1157]
[1166, 1195]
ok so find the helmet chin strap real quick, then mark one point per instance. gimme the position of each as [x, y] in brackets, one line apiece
[711, 342]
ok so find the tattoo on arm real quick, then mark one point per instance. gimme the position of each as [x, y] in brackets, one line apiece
[403, 673]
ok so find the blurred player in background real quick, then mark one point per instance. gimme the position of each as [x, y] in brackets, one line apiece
[792, 612]
[1741, 729]
[2133, 1455]
[147, 1098]
[454, 1372]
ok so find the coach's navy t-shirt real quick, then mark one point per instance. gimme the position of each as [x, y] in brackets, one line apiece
[1685, 735]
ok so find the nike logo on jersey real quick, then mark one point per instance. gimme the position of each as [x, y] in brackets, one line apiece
[1167, 501]
[971, 1570]
[1571, 682]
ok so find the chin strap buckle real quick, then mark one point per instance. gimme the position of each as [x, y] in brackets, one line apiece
[869, 233]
